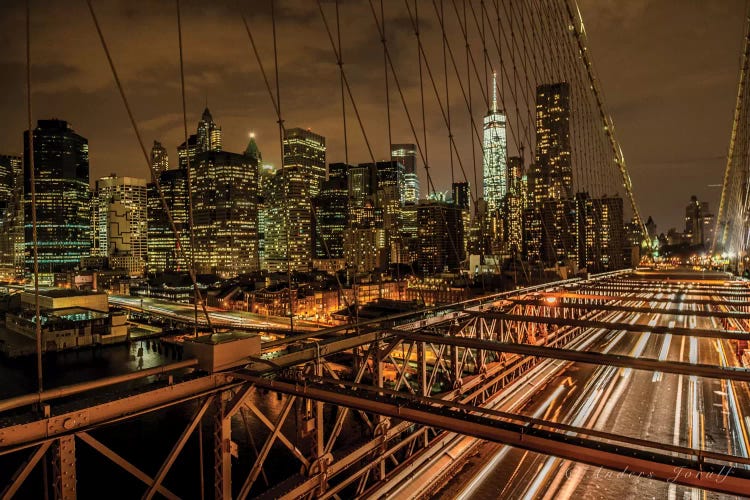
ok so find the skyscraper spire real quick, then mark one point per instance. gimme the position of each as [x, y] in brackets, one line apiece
[494, 92]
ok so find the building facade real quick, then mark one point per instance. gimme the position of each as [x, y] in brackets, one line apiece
[63, 198]
[288, 232]
[159, 158]
[225, 213]
[406, 154]
[332, 214]
[494, 161]
[11, 217]
[117, 234]
[164, 252]
[306, 151]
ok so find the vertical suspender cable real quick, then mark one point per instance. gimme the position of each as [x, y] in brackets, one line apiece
[137, 132]
[192, 234]
[188, 173]
[421, 95]
[340, 63]
[479, 189]
[32, 180]
[285, 171]
[447, 97]
[35, 247]
[387, 88]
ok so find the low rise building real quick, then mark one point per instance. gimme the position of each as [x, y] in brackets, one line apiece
[69, 319]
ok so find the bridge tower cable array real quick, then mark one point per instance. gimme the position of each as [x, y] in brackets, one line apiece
[731, 230]
[576, 25]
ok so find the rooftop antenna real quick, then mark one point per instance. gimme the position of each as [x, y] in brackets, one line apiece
[494, 91]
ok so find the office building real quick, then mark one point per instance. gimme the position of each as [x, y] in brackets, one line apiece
[120, 222]
[63, 198]
[11, 217]
[288, 232]
[494, 162]
[164, 253]
[332, 213]
[698, 223]
[553, 149]
[266, 174]
[406, 154]
[209, 134]
[186, 152]
[159, 158]
[602, 237]
[440, 236]
[306, 151]
[225, 213]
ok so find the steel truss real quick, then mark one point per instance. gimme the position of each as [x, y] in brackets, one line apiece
[408, 385]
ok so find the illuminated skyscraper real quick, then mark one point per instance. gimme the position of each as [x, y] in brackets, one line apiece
[163, 251]
[332, 213]
[362, 182]
[159, 158]
[698, 222]
[406, 154]
[125, 247]
[553, 141]
[389, 178]
[266, 173]
[288, 221]
[550, 181]
[11, 216]
[512, 207]
[440, 233]
[187, 152]
[462, 201]
[494, 163]
[209, 134]
[225, 213]
[63, 201]
[601, 238]
[306, 150]
[289, 229]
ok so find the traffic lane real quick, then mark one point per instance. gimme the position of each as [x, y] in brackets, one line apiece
[518, 466]
[550, 474]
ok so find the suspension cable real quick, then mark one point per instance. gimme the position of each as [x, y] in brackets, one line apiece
[32, 179]
[720, 233]
[188, 176]
[154, 175]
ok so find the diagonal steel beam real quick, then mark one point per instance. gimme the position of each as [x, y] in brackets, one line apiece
[23, 472]
[258, 465]
[164, 469]
[124, 464]
[693, 472]
[239, 399]
[281, 436]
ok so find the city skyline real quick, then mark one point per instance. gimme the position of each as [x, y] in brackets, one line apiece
[652, 143]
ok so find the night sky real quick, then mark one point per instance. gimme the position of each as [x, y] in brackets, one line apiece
[669, 72]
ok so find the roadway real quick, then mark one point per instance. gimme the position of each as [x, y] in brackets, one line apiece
[682, 410]
[219, 317]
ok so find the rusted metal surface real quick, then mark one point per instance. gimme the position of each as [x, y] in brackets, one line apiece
[695, 471]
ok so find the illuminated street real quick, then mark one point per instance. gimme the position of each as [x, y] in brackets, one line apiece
[185, 313]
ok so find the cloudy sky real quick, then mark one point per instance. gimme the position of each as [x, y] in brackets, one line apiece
[668, 69]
